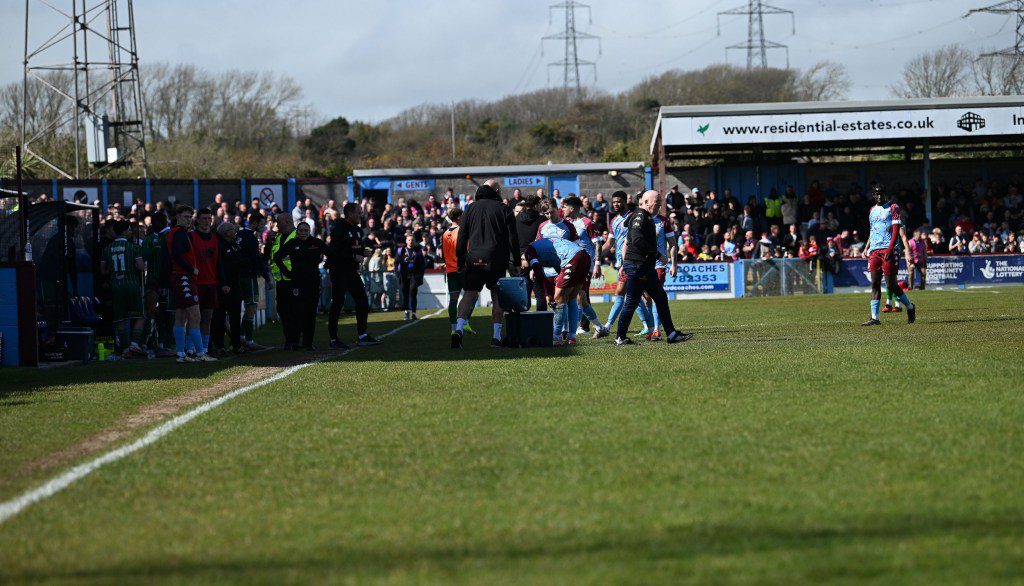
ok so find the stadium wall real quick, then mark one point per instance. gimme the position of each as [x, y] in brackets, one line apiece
[9, 354]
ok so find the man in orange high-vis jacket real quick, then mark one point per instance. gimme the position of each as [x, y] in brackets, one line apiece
[454, 278]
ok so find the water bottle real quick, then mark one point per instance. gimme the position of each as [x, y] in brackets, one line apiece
[101, 351]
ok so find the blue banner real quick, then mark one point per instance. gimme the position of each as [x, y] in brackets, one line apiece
[944, 270]
[413, 185]
[701, 276]
[521, 182]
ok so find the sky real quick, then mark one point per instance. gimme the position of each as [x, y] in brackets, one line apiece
[369, 60]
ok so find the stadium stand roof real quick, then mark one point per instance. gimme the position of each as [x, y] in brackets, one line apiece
[787, 125]
[498, 170]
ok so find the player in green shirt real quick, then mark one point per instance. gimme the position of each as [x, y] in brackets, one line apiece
[123, 265]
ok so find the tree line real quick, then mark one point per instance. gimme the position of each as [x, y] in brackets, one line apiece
[253, 124]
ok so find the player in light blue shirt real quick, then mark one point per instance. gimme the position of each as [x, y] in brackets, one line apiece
[884, 220]
[619, 229]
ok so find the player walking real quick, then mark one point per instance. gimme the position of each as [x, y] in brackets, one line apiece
[665, 234]
[884, 220]
[619, 230]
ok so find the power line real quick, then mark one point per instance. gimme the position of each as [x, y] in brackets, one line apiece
[757, 46]
[1011, 7]
[571, 62]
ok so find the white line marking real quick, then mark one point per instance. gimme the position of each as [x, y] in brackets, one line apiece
[16, 505]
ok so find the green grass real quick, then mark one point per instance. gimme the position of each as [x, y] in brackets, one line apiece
[783, 444]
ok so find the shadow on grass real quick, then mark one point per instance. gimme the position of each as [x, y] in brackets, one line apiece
[674, 543]
[423, 340]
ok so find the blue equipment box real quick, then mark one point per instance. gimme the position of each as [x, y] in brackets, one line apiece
[512, 295]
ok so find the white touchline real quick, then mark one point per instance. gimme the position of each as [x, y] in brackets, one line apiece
[16, 505]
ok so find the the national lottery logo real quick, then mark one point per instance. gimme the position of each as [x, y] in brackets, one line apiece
[989, 271]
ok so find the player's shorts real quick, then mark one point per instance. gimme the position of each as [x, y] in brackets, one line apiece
[183, 293]
[127, 301]
[208, 297]
[477, 279]
[250, 289]
[549, 287]
[574, 273]
[877, 262]
[456, 282]
[662, 273]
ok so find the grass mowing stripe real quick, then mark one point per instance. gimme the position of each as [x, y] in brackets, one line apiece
[14, 506]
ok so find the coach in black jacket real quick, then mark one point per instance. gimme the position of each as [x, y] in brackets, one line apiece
[487, 247]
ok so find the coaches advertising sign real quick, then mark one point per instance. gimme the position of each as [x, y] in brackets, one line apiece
[701, 276]
[413, 185]
[691, 277]
[944, 270]
[521, 182]
[840, 126]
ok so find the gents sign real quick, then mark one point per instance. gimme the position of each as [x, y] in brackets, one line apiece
[840, 126]
[534, 181]
[413, 185]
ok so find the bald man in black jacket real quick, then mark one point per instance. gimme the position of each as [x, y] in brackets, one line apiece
[487, 247]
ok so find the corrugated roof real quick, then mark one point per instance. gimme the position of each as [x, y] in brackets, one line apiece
[499, 170]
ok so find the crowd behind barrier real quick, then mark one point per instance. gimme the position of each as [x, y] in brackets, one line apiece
[823, 226]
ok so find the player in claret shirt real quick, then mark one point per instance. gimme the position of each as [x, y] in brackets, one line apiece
[587, 233]
[183, 288]
[572, 264]
[210, 271]
[884, 219]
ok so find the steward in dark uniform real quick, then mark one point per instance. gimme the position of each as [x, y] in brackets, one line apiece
[301, 281]
[641, 277]
[344, 259]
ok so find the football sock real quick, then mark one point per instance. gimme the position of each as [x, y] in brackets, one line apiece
[874, 308]
[453, 308]
[574, 318]
[655, 318]
[497, 331]
[906, 300]
[616, 309]
[249, 328]
[460, 324]
[559, 318]
[645, 315]
[197, 340]
[206, 342]
[179, 339]
[592, 316]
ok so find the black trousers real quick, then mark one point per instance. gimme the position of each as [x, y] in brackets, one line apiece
[640, 280]
[410, 291]
[305, 296]
[229, 309]
[287, 295]
[350, 282]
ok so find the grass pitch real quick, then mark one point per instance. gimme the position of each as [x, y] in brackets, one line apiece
[783, 444]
